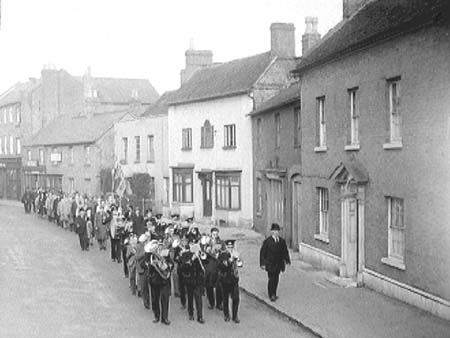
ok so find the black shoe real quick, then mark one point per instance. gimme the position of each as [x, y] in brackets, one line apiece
[147, 306]
[156, 320]
[210, 306]
[165, 322]
[219, 307]
[183, 306]
[191, 317]
[139, 294]
[126, 276]
[227, 318]
[236, 320]
[176, 295]
[273, 298]
[201, 320]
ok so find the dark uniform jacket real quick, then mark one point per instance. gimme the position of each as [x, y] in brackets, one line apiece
[274, 256]
[226, 272]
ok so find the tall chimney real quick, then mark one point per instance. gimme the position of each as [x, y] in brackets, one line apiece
[349, 7]
[282, 40]
[195, 60]
[311, 35]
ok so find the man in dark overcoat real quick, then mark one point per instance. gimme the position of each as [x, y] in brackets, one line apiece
[82, 231]
[273, 257]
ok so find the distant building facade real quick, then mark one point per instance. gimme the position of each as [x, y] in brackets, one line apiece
[28, 107]
[141, 147]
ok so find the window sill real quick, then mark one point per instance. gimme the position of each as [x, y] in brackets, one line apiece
[149, 161]
[186, 149]
[183, 203]
[352, 147]
[123, 162]
[394, 262]
[393, 145]
[137, 162]
[229, 147]
[320, 149]
[227, 209]
[203, 147]
[322, 238]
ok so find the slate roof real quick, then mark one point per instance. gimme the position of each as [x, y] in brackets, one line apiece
[226, 79]
[120, 90]
[68, 129]
[283, 98]
[376, 21]
[161, 106]
[14, 94]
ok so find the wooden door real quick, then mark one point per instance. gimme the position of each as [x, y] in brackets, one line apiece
[296, 213]
[207, 195]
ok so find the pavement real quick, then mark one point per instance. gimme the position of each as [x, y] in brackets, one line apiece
[328, 306]
[322, 304]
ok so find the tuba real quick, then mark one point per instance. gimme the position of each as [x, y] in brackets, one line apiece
[160, 265]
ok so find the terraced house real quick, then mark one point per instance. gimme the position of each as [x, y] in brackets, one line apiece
[210, 148]
[374, 184]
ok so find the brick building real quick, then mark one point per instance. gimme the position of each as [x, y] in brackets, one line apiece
[277, 160]
[28, 107]
[375, 180]
[210, 154]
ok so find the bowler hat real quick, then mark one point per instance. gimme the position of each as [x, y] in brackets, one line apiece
[275, 227]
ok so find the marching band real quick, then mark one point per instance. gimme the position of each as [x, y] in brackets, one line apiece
[161, 256]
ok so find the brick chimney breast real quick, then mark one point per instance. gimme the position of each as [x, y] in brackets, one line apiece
[282, 40]
[195, 60]
[349, 7]
[311, 35]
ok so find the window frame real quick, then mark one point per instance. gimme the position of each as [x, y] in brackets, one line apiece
[395, 114]
[259, 196]
[207, 135]
[87, 155]
[277, 118]
[124, 150]
[321, 127]
[324, 209]
[183, 173]
[223, 180]
[297, 126]
[151, 148]
[137, 148]
[186, 139]
[229, 136]
[354, 116]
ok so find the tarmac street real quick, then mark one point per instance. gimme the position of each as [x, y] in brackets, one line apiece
[50, 288]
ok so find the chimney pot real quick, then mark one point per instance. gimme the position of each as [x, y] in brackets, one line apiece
[311, 35]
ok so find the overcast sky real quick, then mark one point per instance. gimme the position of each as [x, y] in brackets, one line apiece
[142, 38]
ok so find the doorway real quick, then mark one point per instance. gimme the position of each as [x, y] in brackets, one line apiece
[352, 210]
[206, 180]
[296, 228]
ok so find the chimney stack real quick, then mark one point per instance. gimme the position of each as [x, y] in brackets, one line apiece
[195, 60]
[311, 35]
[349, 7]
[282, 40]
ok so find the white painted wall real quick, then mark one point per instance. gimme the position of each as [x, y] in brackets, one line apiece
[219, 112]
[153, 125]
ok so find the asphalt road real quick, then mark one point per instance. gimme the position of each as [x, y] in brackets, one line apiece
[50, 288]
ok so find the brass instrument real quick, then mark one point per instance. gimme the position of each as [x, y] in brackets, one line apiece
[198, 254]
[161, 266]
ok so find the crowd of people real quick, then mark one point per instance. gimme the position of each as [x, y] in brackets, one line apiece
[160, 256]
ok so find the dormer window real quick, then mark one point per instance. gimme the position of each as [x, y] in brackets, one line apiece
[135, 94]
